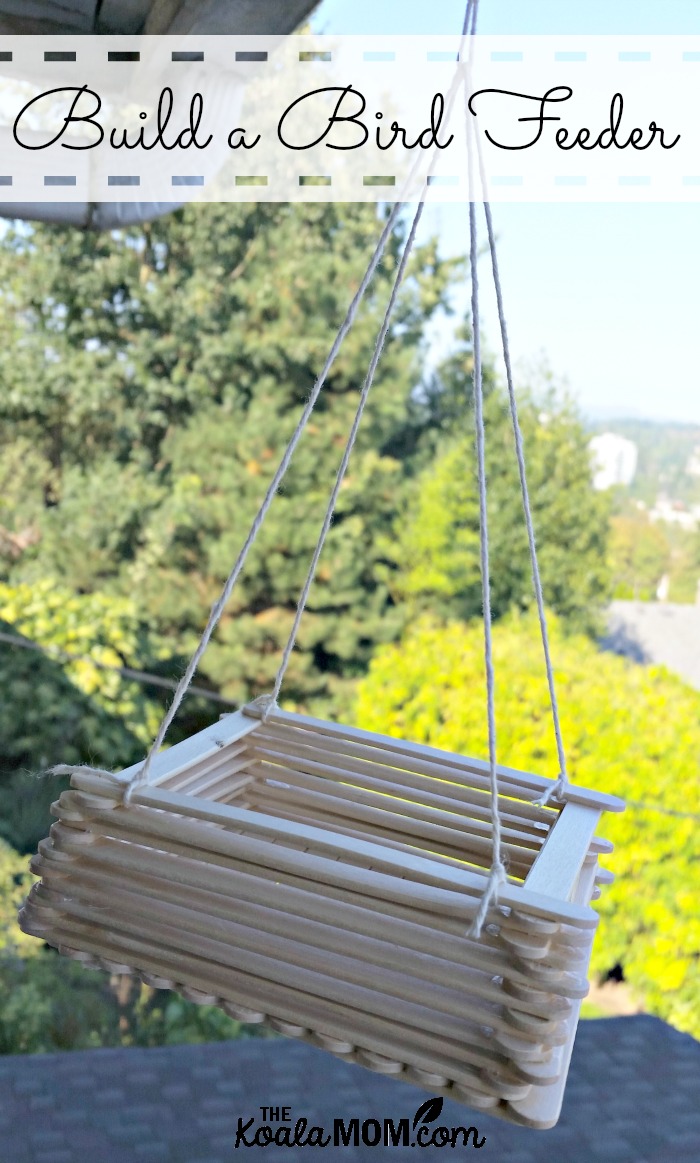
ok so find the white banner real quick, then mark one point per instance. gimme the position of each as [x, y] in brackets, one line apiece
[96, 119]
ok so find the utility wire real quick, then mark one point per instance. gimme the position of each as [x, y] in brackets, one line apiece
[147, 679]
[142, 676]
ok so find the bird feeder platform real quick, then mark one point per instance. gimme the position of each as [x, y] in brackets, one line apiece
[322, 879]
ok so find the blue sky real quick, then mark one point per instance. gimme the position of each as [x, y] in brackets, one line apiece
[605, 295]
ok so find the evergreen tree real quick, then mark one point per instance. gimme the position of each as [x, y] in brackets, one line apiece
[439, 535]
[155, 376]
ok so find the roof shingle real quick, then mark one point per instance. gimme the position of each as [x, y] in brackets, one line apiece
[633, 1097]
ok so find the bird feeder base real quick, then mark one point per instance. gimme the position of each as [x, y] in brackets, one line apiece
[322, 879]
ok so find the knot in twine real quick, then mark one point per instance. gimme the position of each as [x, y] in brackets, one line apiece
[497, 878]
[557, 792]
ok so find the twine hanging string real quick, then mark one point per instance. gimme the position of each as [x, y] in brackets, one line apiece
[497, 872]
[141, 776]
[558, 789]
[271, 702]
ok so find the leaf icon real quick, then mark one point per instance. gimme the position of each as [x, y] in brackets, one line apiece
[428, 1112]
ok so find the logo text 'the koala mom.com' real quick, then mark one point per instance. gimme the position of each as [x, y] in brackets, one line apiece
[276, 1128]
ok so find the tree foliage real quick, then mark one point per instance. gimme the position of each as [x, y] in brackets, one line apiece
[440, 536]
[15, 882]
[59, 710]
[154, 377]
[48, 1002]
[630, 730]
[640, 556]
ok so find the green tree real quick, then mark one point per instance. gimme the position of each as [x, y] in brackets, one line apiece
[440, 536]
[630, 730]
[15, 882]
[157, 374]
[640, 555]
[685, 568]
[58, 710]
[48, 1002]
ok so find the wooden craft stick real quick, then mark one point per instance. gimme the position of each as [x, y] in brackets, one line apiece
[405, 749]
[330, 755]
[228, 759]
[284, 810]
[253, 856]
[397, 766]
[556, 869]
[179, 871]
[206, 744]
[399, 864]
[540, 1109]
[219, 782]
[236, 945]
[345, 793]
[175, 878]
[209, 978]
[376, 823]
[307, 943]
[66, 839]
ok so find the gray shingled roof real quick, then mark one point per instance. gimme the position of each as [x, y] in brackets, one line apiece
[633, 1097]
[665, 633]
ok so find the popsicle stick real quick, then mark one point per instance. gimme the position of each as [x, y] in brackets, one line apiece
[197, 778]
[484, 1081]
[522, 779]
[375, 823]
[205, 745]
[368, 909]
[174, 879]
[396, 765]
[209, 977]
[242, 947]
[397, 863]
[320, 947]
[284, 810]
[541, 1108]
[329, 755]
[556, 869]
[346, 793]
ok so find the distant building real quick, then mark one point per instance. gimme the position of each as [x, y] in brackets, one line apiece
[614, 460]
[676, 513]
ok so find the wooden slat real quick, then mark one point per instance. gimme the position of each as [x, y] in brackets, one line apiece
[293, 960]
[428, 836]
[297, 1006]
[541, 1108]
[556, 869]
[438, 907]
[419, 933]
[344, 785]
[474, 785]
[522, 779]
[398, 864]
[333, 755]
[205, 908]
[202, 746]
[389, 840]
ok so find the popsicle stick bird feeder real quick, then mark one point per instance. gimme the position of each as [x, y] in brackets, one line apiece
[323, 879]
[424, 914]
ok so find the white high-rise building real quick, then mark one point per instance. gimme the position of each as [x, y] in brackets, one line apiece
[614, 460]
